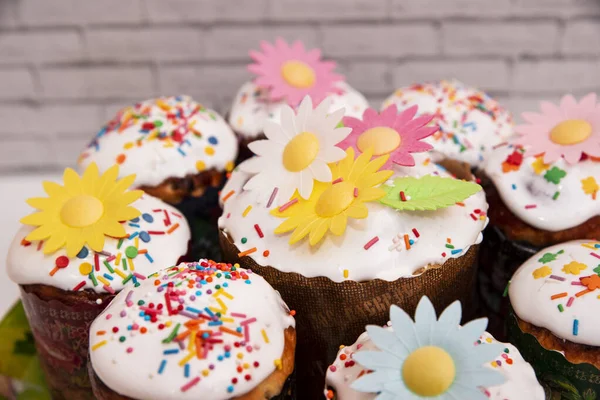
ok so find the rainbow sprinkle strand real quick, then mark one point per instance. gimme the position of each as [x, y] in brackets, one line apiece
[215, 333]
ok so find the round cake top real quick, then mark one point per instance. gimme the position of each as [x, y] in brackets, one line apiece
[557, 289]
[470, 122]
[305, 205]
[551, 167]
[285, 74]
[163, 138]
[198, 330]
[93, 234]
[447, 343]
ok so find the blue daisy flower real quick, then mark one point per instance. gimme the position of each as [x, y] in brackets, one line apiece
[429, 358]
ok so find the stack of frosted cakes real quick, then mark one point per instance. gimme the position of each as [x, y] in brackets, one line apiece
[284, 75]
[555, 299]
[180, 151]
[201, 330]
[88, 239]
[542, 190]
[344, 232]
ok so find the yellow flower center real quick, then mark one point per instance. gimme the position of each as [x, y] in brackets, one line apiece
[384, 140]
[81, 211]
[429, 371]
[335, 199]
[300, 152]
[571, 131]
[298, 74]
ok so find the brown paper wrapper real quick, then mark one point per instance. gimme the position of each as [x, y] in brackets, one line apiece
[330, 314]
[60, 322]
[560, 378]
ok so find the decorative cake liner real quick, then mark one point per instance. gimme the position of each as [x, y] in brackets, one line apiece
[331, 314]
[499, 259]
[60, 322]
[560, 378]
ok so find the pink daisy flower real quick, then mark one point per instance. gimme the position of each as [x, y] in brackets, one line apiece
[393, 133]
[292, 72]
[568, 130]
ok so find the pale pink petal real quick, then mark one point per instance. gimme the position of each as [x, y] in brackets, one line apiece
[552, 154]
[550, 109]
[572, 154]
[532, 117]
[568, 104]
[588, 101]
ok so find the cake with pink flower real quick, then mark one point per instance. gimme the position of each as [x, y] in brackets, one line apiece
[284, 75]
[542, 188]
[470, 122]
[346, 219]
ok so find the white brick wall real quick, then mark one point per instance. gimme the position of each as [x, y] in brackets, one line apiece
[66, 66]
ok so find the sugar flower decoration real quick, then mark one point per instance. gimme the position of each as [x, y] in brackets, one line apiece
[83, 211]
[292, 72]
[332, 203]
[390, 132]
[428, 358]
[296, 151]
[568, 130]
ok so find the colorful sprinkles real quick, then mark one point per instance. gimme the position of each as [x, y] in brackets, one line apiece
[192, 304]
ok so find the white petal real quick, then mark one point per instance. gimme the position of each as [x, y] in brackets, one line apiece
[306, 184]
[404, 327]
[262, 147]
[323, 108]
[373, 382]
[337, 135]
[304, 113]
[472, 331]
[485, 353]
[274, 132]
[288, 122]
[254, 165]
[320, 171]
[331, 154]
[386, 340]
[449, 321]
[376, 359]
[425, 319]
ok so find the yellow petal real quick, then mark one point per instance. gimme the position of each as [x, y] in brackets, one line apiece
[126, 213]
[74, 244]
[107, 181]
[370, 194]
[360, 164]
[318, 231]
[375, 179]
[120, 186]
[37, 218]
[95, 239]
[72, 182]
[90, 179]
[128, 197]
[40, 203]
[41, 233]
[55, 242]
[111, 228]
[345, 165]
[302, 230]
[375, 164]
[54, 190]
[357, 211]
[289, 224]
[338, 224]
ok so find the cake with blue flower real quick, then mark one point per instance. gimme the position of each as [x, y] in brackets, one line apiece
[430, 358]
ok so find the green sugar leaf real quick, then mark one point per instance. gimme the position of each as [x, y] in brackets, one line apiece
[429, 192]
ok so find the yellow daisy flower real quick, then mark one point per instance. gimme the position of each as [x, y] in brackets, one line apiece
[332, 203]
[84, 210]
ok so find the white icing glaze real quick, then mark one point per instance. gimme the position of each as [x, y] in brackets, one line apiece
[524, 188]
[138, 373]
[249, 110]
[336, 254]
[521, 382]
[531, 297]
[193, 139]
[467, 133]
[27, 264]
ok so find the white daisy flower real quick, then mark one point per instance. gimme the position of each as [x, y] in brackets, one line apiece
[428, 358]
[296, 151]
